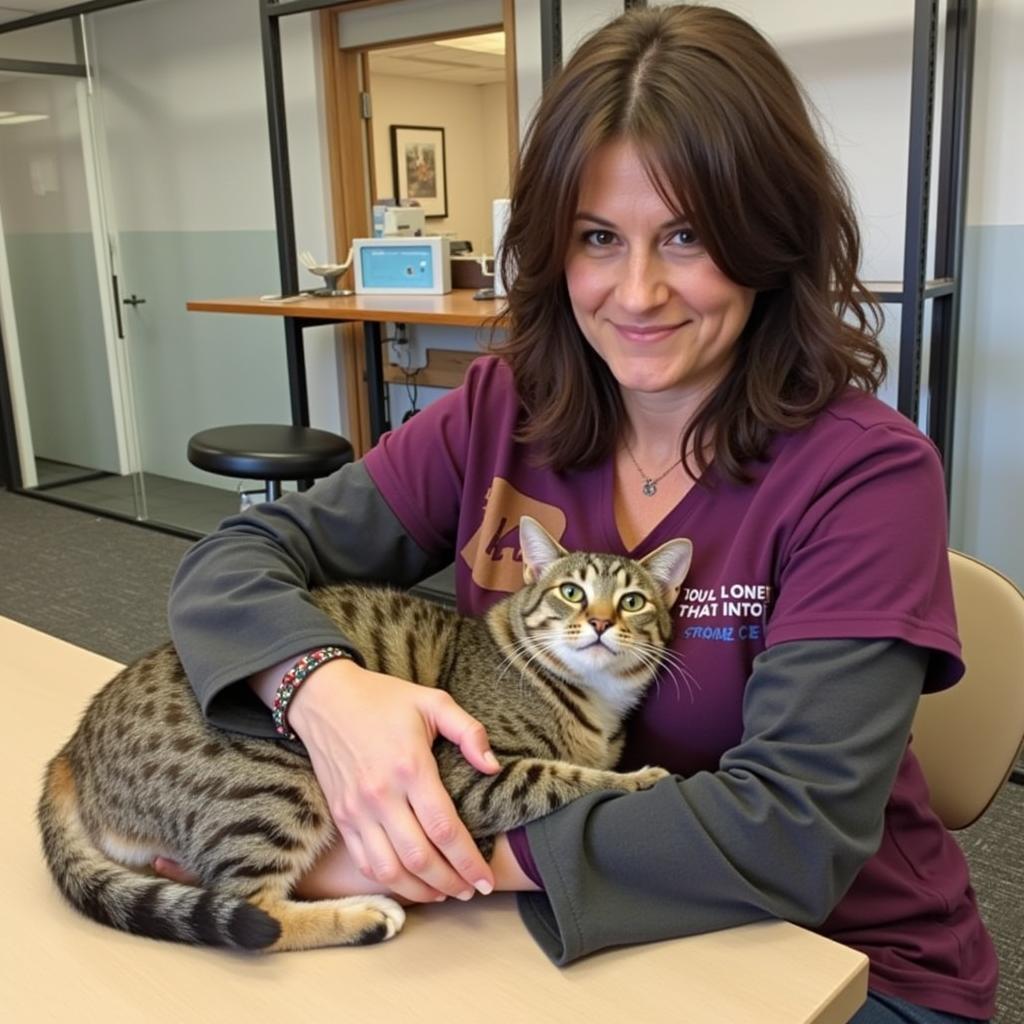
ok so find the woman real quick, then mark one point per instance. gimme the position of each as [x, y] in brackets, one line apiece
[686, 323]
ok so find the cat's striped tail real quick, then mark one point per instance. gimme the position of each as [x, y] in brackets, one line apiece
[147, 905]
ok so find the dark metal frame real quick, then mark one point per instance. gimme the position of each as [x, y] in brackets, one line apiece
[10, 466]
[954, 141]
[945, 289]
[550, 40]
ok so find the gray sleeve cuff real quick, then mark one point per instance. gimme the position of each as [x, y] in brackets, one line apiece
[779, 830]
[240, 599]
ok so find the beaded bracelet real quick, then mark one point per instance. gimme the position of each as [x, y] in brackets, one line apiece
[294, 678]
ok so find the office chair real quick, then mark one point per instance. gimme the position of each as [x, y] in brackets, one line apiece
[270, 452]
[968, 737]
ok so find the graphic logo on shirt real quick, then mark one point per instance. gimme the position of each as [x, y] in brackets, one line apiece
[744, 606]
[493, 552]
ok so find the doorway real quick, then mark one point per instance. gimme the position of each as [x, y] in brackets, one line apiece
[456, 74]
[454, 90]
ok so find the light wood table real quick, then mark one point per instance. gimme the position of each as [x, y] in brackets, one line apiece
[458, 308]
[453, 963]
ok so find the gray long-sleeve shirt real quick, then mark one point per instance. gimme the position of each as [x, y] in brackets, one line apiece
[780, 829]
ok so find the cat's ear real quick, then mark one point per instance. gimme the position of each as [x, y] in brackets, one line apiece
[539, 548]
[669, 565]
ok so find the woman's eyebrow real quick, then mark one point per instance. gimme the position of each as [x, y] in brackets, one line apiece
[604, 222]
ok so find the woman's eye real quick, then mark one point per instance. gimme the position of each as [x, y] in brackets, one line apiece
[599, 237]
[572, 593]
[632, 602]
[685, 236]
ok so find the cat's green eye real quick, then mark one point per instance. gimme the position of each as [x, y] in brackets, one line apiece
[572, 593]
[632, 602]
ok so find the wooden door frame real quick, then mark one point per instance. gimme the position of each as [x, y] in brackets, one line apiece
[352, 181]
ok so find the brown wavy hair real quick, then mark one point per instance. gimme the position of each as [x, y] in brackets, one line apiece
[724, 131]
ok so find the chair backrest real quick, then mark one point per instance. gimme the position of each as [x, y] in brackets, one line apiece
[969, 736]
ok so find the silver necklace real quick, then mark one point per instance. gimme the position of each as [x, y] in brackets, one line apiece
[650, 485]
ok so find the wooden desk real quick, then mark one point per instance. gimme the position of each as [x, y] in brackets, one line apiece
[456, 309]
[453, 963]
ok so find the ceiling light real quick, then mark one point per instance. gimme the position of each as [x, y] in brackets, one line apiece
[491, 42]
[22, 118]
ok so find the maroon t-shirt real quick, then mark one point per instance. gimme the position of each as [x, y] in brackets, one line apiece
[834, 538]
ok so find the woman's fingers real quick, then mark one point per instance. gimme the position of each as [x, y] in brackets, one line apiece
[391, 843]
[386, 866]
[462, 729]
[444, 832]
[369, 738]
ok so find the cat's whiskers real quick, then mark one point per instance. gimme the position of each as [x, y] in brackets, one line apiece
[653, 660]
[673, 664]
[532, 646]
[525, 644]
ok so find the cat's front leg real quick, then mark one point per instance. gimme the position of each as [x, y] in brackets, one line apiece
[528, 788]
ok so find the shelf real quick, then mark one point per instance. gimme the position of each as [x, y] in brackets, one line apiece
[892, 291]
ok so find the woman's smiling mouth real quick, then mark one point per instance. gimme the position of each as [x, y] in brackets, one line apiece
[656, 332]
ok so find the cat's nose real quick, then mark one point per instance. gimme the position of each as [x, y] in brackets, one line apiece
[600, 625]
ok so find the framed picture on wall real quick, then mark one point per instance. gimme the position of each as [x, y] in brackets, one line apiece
[418, 167]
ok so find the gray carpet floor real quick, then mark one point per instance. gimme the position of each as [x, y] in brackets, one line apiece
[102, 584]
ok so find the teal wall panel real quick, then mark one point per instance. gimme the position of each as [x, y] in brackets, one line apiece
[196, 370]
[63, 353]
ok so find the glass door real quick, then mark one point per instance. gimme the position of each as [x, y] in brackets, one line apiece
[66, 361]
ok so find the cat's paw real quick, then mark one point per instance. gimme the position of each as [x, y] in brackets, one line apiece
[644, 778]
[384, 917]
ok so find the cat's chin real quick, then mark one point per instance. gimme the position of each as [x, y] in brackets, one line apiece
[595, 654]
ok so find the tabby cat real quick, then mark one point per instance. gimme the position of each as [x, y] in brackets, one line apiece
[551, 672]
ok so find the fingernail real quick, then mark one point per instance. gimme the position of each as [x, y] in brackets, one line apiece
[484, 887]
[440, 899]
[466, 894]
[491, 759]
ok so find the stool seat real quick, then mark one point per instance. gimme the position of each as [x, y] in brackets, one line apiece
[269, 451]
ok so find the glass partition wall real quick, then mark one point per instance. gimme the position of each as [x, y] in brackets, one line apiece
[134, 177]
[68, 375]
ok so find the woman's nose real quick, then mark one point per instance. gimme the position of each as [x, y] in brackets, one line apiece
[643, 283]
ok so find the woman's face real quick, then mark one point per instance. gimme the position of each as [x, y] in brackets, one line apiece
[645, 293]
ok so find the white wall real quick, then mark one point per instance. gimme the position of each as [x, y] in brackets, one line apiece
[988, 477]
[493, 144]
[997, 129]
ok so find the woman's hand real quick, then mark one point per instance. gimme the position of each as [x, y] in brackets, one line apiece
[369, 738]
[336, 874]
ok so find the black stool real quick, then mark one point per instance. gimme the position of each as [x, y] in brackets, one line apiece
[270, 452]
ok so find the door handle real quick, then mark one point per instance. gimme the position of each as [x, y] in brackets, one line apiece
[117, 307]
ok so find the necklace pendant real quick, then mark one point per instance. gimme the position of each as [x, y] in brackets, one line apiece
[650, 488]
